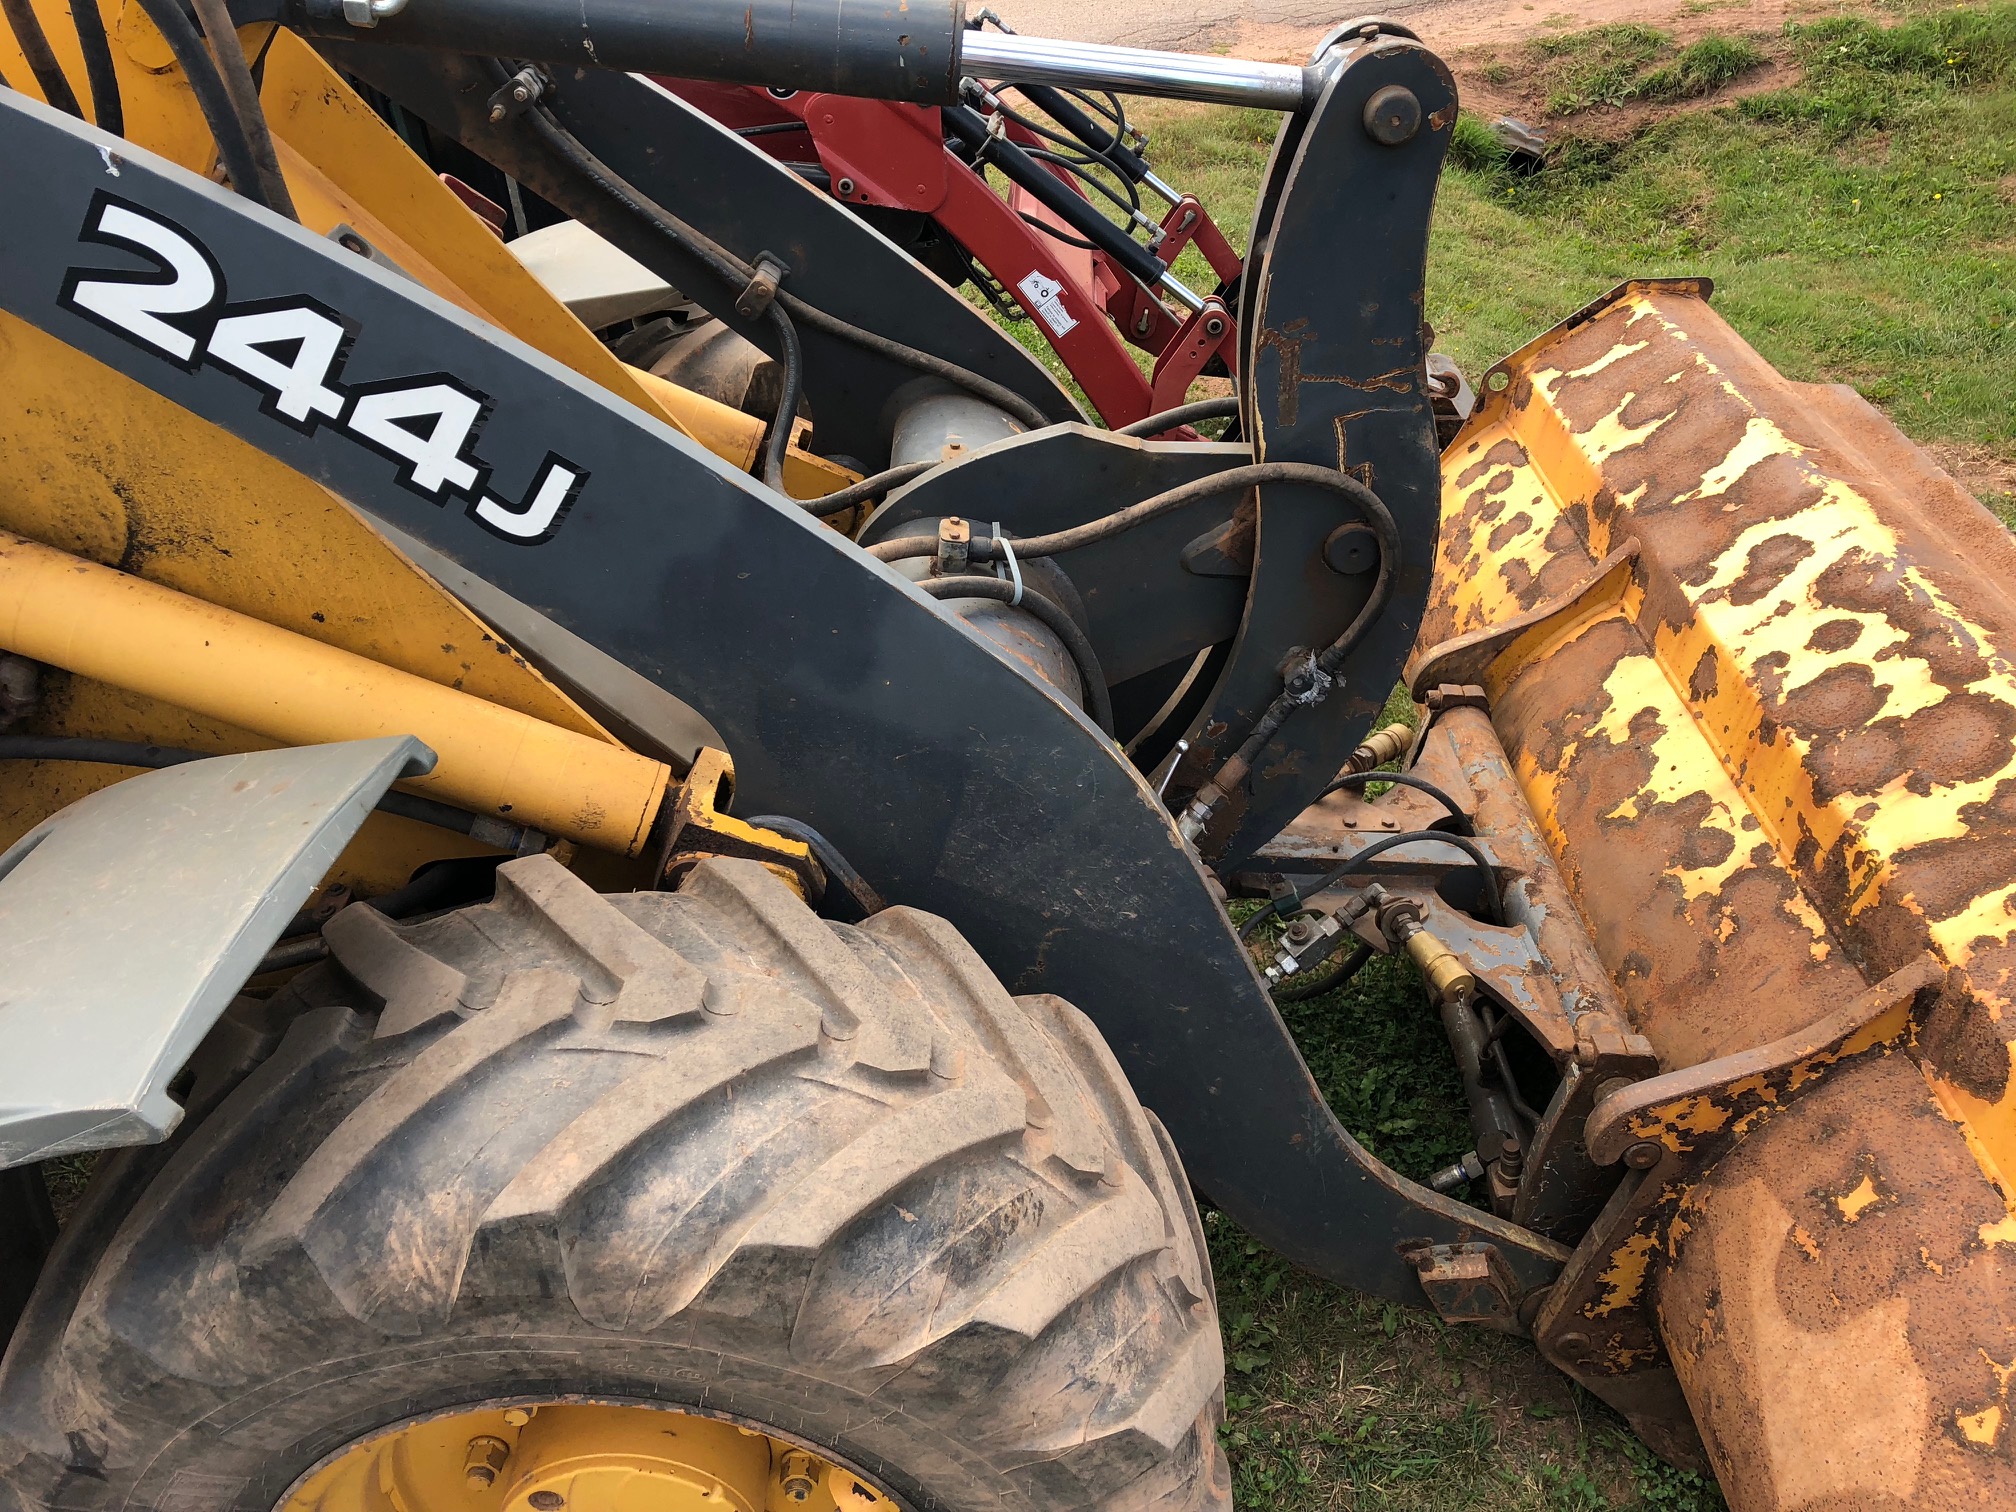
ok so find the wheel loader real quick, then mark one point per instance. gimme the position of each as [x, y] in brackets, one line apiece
[612, 946]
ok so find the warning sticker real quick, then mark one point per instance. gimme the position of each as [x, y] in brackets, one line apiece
[1046, 297]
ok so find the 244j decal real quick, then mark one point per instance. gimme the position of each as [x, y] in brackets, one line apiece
[291, 350]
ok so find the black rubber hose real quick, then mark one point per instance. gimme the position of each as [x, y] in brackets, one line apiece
[1055, 234]
[986, 548]
[791, 391]
[836, 866]
[784, 308]
[1092, 181]
[1400, 779]
[1183, 414]
[236, 75]
[869, 487]
[108, 106]
[1099, 704]
[211, 97]
[1493, 908]
[1258, 917]
[157, 758]
[34, 45]
[736, 274]
[998, 395]
[973, 133]
[437, 885]
[1331, 657]
[1292, 991]
[1065, 113]
[724, 265]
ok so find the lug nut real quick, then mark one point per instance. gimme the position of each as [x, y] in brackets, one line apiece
[796, 1477]
[483, 1459]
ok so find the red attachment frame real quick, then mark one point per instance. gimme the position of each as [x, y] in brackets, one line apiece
[877, 153]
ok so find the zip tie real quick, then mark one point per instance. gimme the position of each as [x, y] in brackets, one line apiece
[1014, 567]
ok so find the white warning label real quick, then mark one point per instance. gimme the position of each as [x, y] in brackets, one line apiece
[1046, 297]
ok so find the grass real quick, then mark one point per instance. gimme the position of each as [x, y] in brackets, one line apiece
[1860, 224]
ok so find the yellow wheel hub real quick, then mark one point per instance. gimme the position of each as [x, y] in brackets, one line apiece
[574, 1457]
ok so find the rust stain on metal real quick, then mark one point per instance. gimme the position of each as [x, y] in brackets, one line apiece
[1777, 765]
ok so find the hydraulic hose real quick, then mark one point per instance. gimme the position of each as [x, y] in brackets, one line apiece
[159, 758]
[1325, 663]
[869, 487]
[785, 306]
[972, 131]
[1292, 991]
[236, 75]
[1182, 414]
[1098, 703]
[996, 394]
[1233, 479]
[836, 866]
[724, 265]
[1399, 779]
[233, 147]
[1102, 141]
[1494, 909]
[108, 108]
[41, 58]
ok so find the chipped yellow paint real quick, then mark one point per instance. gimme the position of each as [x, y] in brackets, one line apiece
[1805, 1241]
[1854, 1204]
[1477, 584]
[1685, 766]
[1983, 1427]
[2001, 1231]
[1739, 637]
[1623, 1279]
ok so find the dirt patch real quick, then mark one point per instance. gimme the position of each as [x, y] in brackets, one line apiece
[1488, 43]
[1981, 470]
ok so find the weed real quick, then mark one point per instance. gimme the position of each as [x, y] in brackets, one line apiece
[1859, 76]
[1613, 65]
[1599, 66]
[1662, 1487]
[1701, 69]
[1893, 269]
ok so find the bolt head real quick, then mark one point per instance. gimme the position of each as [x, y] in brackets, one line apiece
[1393, 115]
[1215, 326]
[1572, 1346]
[547, 1501]
[845, 186]
[1643, 1155]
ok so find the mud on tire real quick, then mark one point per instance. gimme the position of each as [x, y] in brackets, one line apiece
[700, 1149]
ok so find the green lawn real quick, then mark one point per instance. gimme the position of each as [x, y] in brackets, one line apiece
[1860, 225]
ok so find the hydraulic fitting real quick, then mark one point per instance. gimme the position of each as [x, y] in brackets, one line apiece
[1381, 746]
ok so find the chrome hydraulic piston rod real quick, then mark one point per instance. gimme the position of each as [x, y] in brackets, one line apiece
[916, 52]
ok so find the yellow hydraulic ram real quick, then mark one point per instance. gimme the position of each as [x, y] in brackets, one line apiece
[103, 624]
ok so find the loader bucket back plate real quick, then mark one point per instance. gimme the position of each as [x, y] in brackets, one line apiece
[1773, 746]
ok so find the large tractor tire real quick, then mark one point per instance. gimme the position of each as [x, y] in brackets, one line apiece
[697, 1151]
